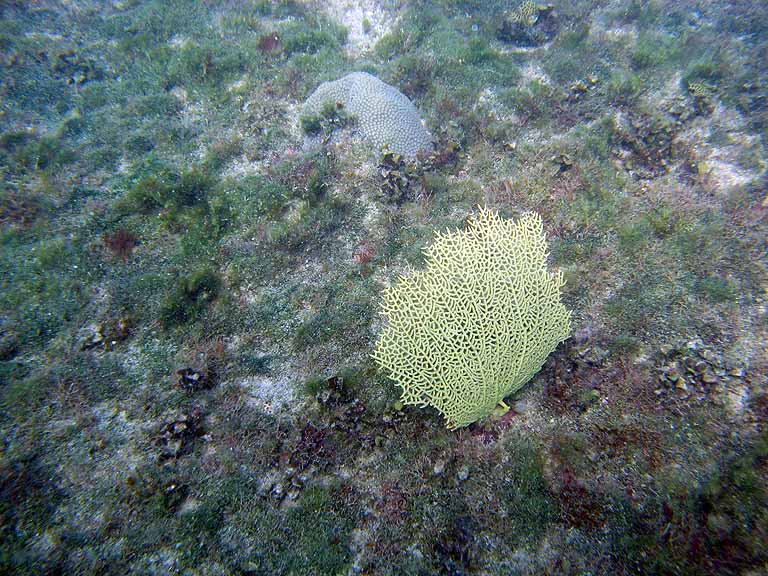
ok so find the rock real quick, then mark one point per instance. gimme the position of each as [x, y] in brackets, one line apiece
[293, 494]
[673, 375]
[334, 392]
[176, 437]
[439, 468]
[694, 345]
[264, 489]
[666, 350]
[463, 474]
[707, 354]
[191, 380]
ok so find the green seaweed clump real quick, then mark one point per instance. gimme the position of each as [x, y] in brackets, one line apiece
[169, 191]
[190, 297]
[331, 116]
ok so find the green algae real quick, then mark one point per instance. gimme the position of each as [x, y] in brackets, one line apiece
[169, 120]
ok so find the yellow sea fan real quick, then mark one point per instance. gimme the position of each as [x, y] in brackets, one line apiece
[478, 322]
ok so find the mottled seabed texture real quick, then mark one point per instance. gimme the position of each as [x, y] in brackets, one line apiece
[192, 268]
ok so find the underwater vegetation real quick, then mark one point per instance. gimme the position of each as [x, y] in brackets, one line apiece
[477, 323]
[206, 206]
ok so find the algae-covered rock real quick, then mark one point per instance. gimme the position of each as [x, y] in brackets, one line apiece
[385, 116]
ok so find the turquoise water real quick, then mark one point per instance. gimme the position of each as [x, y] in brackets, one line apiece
[203, 204]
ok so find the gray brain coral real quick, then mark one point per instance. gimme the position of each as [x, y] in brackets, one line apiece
[385, 116]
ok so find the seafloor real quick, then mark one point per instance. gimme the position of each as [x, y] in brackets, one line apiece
[190, 286]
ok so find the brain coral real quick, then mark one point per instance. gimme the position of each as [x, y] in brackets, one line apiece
[385, 116]
[478, 322]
